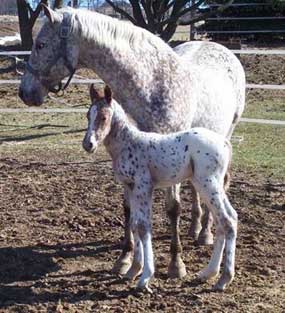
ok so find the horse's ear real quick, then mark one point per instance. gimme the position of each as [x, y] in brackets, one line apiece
[94, 94]
[108, 94]
[51, 14]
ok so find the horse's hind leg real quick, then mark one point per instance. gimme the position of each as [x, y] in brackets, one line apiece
[176, 268]
[124, 261]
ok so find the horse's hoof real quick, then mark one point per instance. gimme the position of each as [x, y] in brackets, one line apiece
[122, 265]
[176, 269]
[134, 271]
[205, 239]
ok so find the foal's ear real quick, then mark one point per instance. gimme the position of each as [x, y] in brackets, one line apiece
[108, 94]
[51, 14]
[94, 94]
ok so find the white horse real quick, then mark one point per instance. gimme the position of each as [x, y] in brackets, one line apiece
[143, 161]
[199, 84]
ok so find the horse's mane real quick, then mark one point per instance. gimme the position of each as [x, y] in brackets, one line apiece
[108, 31]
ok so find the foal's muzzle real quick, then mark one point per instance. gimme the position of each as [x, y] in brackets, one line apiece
[89, 146]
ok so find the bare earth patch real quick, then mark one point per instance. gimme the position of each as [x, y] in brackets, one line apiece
[60, 228]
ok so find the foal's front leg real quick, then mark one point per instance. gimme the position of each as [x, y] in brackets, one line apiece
[124, 262]
[141, 214]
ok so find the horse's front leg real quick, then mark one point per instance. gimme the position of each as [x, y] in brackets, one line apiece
[176, 268]
[124, 261]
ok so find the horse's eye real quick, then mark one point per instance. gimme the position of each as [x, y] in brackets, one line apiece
[104, 118]
[40, 45]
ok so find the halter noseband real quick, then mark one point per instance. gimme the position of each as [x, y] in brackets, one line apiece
[62, 53]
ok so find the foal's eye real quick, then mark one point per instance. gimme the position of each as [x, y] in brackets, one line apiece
[104, 118]
[40, 46]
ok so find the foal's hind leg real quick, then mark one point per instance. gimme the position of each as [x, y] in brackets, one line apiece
[196, 214]
[176, 268]
[124, 262]
[226, 230]
[230, 225]
[206, 236]
[201, 225]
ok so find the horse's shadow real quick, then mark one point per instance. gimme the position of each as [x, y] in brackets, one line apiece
[24, 268]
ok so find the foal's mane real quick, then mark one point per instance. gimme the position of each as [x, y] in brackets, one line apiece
[109, 31]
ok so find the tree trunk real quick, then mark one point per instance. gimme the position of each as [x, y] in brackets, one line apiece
[75, 3]
[25, 25]
[58, 4]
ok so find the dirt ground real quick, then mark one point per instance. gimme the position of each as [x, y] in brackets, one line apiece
[61, 225]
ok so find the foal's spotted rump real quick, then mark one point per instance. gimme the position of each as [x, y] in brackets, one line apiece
[144, 161]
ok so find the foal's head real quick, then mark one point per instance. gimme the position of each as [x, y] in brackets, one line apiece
[99, 118]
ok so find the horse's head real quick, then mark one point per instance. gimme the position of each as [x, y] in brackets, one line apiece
[54, 56]
[99, 118]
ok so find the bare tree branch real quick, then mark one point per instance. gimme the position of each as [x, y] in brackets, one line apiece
[206, 15]
[121, 11]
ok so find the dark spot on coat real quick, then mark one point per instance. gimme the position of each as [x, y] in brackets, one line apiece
[186, 148]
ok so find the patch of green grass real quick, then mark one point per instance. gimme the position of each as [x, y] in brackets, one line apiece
[58, 136]
[262, 150]
[267, 107]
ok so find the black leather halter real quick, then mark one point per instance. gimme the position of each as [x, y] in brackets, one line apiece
[62, 53]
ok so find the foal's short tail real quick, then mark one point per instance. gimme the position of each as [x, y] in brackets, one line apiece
[227, 178]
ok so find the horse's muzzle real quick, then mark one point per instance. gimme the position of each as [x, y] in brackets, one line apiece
[30, 99]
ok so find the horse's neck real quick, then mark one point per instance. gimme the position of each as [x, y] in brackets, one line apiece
[122, 131]
[128, 58]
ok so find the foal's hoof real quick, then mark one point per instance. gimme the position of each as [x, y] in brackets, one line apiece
[176, 269]
[205, 239]
[122, 265]
[144, 289]
[134, 271]
[195, 230]
[206, 274]
[223, 281]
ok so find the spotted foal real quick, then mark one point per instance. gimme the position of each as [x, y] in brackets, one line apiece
[144, 161]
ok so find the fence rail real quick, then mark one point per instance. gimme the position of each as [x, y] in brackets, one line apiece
[240, 51]
[98, 81]
[73, 110]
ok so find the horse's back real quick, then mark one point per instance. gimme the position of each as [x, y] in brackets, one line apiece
[208, 61]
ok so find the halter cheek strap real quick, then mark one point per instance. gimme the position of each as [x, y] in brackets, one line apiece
[62, 53]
